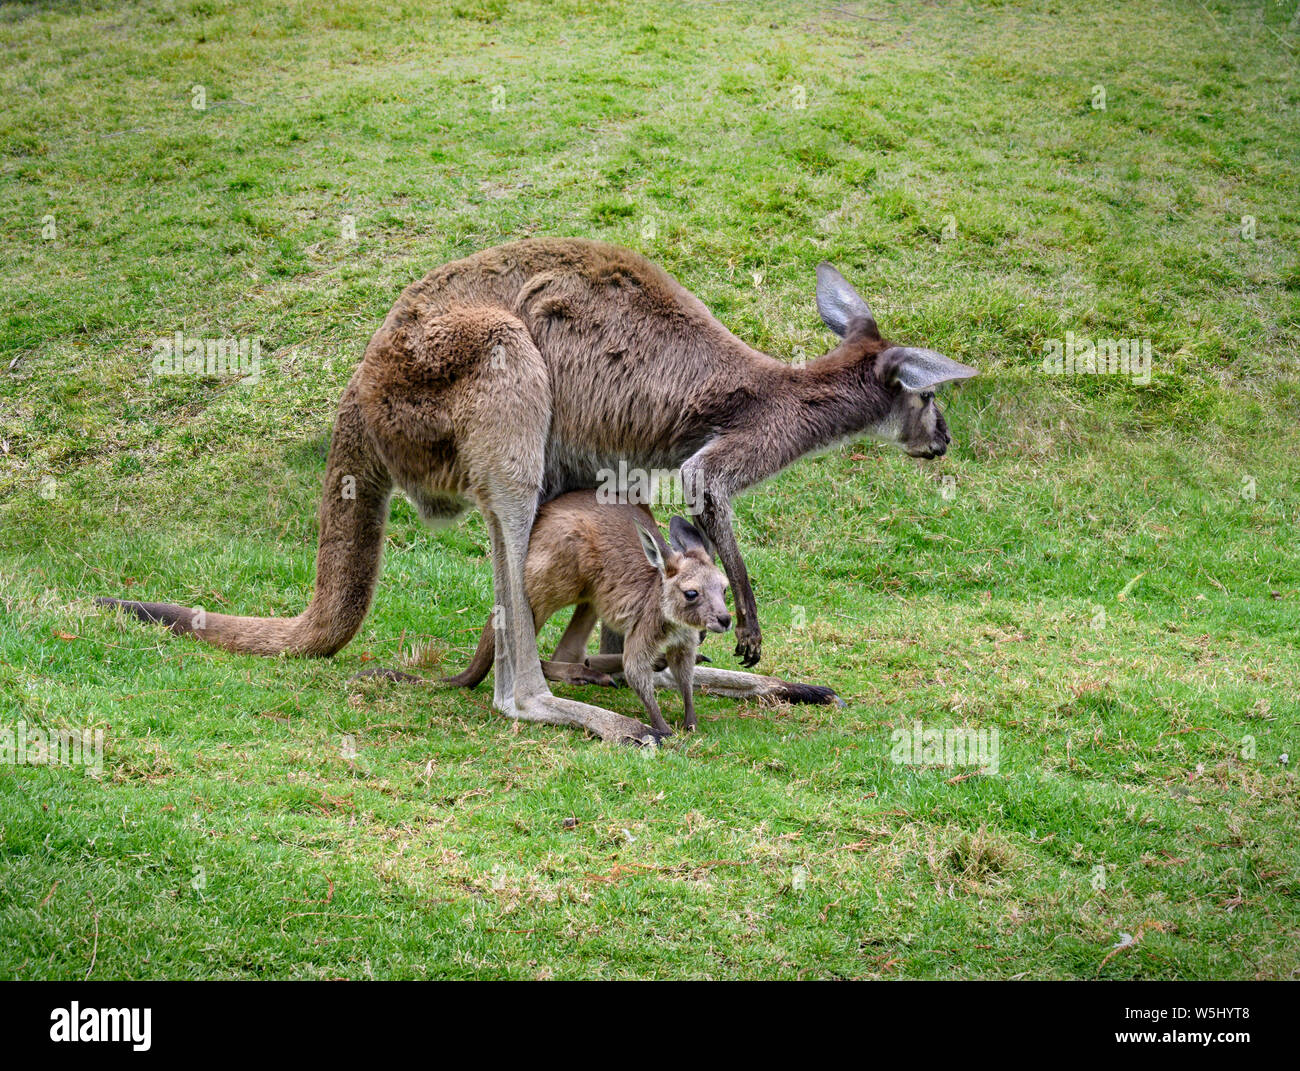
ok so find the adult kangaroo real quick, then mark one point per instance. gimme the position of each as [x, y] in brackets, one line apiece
[507, 378]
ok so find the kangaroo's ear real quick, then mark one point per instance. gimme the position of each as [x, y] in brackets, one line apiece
[685, 536]
[650, 546]
[915, 369]
[839, 304]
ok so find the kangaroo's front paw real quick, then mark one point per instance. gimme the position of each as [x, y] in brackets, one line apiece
[749, 645]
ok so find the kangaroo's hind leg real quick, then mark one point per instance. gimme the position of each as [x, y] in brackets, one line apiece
[502, 429]
[503, 672]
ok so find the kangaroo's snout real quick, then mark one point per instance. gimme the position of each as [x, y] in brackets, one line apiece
[937, 447]
[722, 624]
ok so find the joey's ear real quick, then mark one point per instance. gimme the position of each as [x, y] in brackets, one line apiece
[839, 304]
[685, 536]
[650, 546]
[916, 369]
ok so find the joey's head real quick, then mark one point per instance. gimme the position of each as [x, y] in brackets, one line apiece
[693, 592]
[901, 379]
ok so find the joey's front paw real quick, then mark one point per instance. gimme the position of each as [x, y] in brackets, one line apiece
[749, 645]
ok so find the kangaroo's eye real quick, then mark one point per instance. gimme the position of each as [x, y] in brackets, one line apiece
[691, 595]
[927, 396]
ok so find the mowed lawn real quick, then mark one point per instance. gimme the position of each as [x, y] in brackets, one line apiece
[1103, 571]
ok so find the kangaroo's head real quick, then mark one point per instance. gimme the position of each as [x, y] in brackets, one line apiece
[693, 592]
[903, 377]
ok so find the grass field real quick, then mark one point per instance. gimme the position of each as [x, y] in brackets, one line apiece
[1103, 571]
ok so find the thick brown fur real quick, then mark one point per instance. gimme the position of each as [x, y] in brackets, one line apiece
[510, 377]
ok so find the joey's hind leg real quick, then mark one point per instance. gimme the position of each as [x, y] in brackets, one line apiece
[575, 673]
[573, 644]
[605, 663]
[566, 665]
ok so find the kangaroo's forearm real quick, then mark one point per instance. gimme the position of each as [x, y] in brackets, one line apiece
[737, 574]
[716, 520]
[723, 468]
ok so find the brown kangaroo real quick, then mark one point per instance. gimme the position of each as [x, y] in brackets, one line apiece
[519, 373]
[612, 564]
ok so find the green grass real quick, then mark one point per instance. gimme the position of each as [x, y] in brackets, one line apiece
[949, 159]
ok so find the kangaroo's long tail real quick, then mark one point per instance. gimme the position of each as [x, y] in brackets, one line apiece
[353, 513]
[478, 667]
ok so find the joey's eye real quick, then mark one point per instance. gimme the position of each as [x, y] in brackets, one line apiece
[927, 396]
[691, 595]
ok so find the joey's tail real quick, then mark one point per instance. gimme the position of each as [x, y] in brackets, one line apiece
[353, 512]
[479, 665]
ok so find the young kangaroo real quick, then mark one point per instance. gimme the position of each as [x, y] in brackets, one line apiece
[612, 564]
[507, 378]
